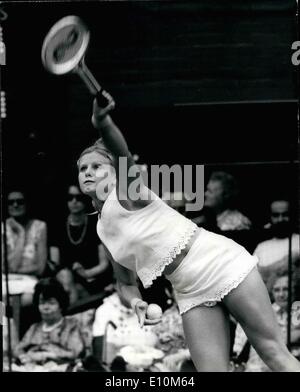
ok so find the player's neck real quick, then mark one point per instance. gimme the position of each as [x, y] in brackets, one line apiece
[98, 204]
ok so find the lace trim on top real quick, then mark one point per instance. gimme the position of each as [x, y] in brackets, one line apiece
[219, 295]
[148, 277]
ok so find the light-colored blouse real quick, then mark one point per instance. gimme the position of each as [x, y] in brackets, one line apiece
[26, 247]
[144, 240]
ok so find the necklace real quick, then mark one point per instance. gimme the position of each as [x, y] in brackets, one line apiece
[49, 328]
[80, 239]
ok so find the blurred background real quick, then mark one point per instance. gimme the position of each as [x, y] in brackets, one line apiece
[195, 83]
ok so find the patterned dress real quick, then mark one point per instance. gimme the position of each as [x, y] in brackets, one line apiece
[26, 247]
[170, 332]
[65, 341]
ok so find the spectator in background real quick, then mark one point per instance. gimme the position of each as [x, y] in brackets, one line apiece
[274, 253]
[27, 250]
[278, 287]
[171, 341]
[55, 338]
[221, 198]
[115, 327]
[176, 200]
[78, 251]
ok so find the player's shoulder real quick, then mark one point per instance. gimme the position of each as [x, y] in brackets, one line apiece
[260, 246]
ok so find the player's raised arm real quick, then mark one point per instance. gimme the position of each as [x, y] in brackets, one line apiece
[115, 142]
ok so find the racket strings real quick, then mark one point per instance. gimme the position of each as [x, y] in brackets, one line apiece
[59, 54]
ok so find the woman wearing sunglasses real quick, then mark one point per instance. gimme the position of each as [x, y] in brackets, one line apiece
[84, 268]
[26, 244]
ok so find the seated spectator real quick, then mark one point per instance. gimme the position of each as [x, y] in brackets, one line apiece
[55, 338]
[76, 247]
[27, 250]
[207, 220]
[85, 321]
[84, 318]
[278, 285]
[176, 200]
[273, 253]
[221, 199]
[116, 327]
[66, 278]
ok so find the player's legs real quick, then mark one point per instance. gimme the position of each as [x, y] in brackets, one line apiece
[249, 303]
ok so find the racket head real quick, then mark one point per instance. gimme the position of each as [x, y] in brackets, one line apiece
[65, 45]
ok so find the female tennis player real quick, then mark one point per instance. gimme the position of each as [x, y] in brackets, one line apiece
[211, 274]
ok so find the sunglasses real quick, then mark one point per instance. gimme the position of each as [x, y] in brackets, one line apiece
[76, 197]
[19, 202]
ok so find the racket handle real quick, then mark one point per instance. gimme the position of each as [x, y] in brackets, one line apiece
[92, 84]
[101, 99]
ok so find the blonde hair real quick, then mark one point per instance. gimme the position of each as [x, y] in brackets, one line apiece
[98, 147]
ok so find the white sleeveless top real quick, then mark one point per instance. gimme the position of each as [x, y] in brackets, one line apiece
[145, 240]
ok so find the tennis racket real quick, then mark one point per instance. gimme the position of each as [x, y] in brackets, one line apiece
[63, 52]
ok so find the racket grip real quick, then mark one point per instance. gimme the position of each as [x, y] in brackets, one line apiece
[102, 101]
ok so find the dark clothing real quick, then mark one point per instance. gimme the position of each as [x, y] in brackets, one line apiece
[75, 245]
[80, 244]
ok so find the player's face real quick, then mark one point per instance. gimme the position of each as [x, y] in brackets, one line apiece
[96, 173]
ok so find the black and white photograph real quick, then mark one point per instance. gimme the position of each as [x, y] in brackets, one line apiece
[150, 188]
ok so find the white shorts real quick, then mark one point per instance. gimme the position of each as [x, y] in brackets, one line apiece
[213, 267]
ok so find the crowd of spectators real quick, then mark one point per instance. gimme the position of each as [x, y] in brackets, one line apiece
[51, 269]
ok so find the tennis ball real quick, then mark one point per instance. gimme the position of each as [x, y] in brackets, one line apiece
[154, 312]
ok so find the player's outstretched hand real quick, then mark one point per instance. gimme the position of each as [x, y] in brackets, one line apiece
[100, 112]
[140, 307]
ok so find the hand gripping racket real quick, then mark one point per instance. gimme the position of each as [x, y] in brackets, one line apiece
[63, 51]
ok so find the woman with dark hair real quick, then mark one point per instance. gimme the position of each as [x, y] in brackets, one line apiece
[55, 338]
[77, 250]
